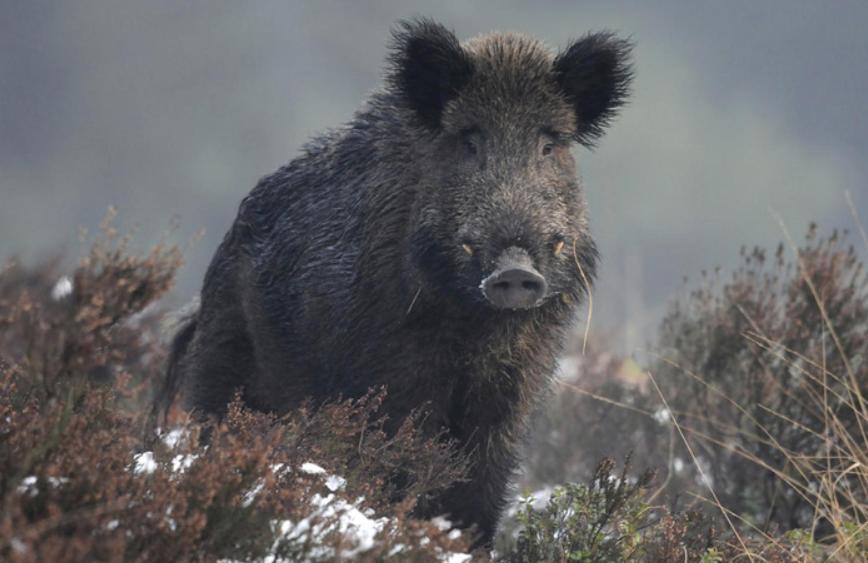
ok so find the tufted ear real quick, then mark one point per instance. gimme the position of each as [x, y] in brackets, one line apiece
[595, 74]
[428, 67]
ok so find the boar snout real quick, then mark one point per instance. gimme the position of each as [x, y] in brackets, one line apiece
[515, 283]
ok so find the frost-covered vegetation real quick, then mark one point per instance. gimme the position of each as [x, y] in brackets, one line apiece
[751, 424]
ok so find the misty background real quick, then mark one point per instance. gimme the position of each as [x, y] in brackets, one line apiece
[167, 108]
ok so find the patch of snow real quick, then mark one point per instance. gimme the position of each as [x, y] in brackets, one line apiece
[662, 415]
[145, 463]
[335, 483]
[396, 549]
[250, 495]
[169, 520]
[541, 497]
[277, 469]
[57, 481]
[182, 462]
[331, 515]
[441, 523]
[28, 484]
[18, 546]
[175, 437]
[312, 469]
[62, 288]
[703, 476]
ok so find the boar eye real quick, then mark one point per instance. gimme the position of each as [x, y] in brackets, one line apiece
[550, 139]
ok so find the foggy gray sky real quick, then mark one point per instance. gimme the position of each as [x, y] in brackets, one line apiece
[167, 107]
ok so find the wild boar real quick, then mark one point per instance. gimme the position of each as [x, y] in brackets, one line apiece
[437, 245]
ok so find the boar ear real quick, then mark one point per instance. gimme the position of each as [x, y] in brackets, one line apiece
[428, 66]
[595, 74]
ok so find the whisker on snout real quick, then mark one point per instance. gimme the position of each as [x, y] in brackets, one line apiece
[590, 297]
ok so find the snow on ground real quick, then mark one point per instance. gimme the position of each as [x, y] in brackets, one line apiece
[29, 484]
[332, 482]
[539, 500]
[335, 483]
[145, 463]
[175, 437]
[312, 469]
[329, 513]
[182, 462]
[62, 289]
[541, 497]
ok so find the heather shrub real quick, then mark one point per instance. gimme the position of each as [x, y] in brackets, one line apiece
[79, 359]
[767, 372]
[612, 518]
[600, 521]
[764, 373]
[95, 324]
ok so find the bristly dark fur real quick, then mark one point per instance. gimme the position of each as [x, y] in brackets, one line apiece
[359, 263]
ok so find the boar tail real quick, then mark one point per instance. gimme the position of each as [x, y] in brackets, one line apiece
[182, 325]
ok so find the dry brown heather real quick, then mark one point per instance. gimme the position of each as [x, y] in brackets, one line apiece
[766, 373]
[781, 438]
[74, 375]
